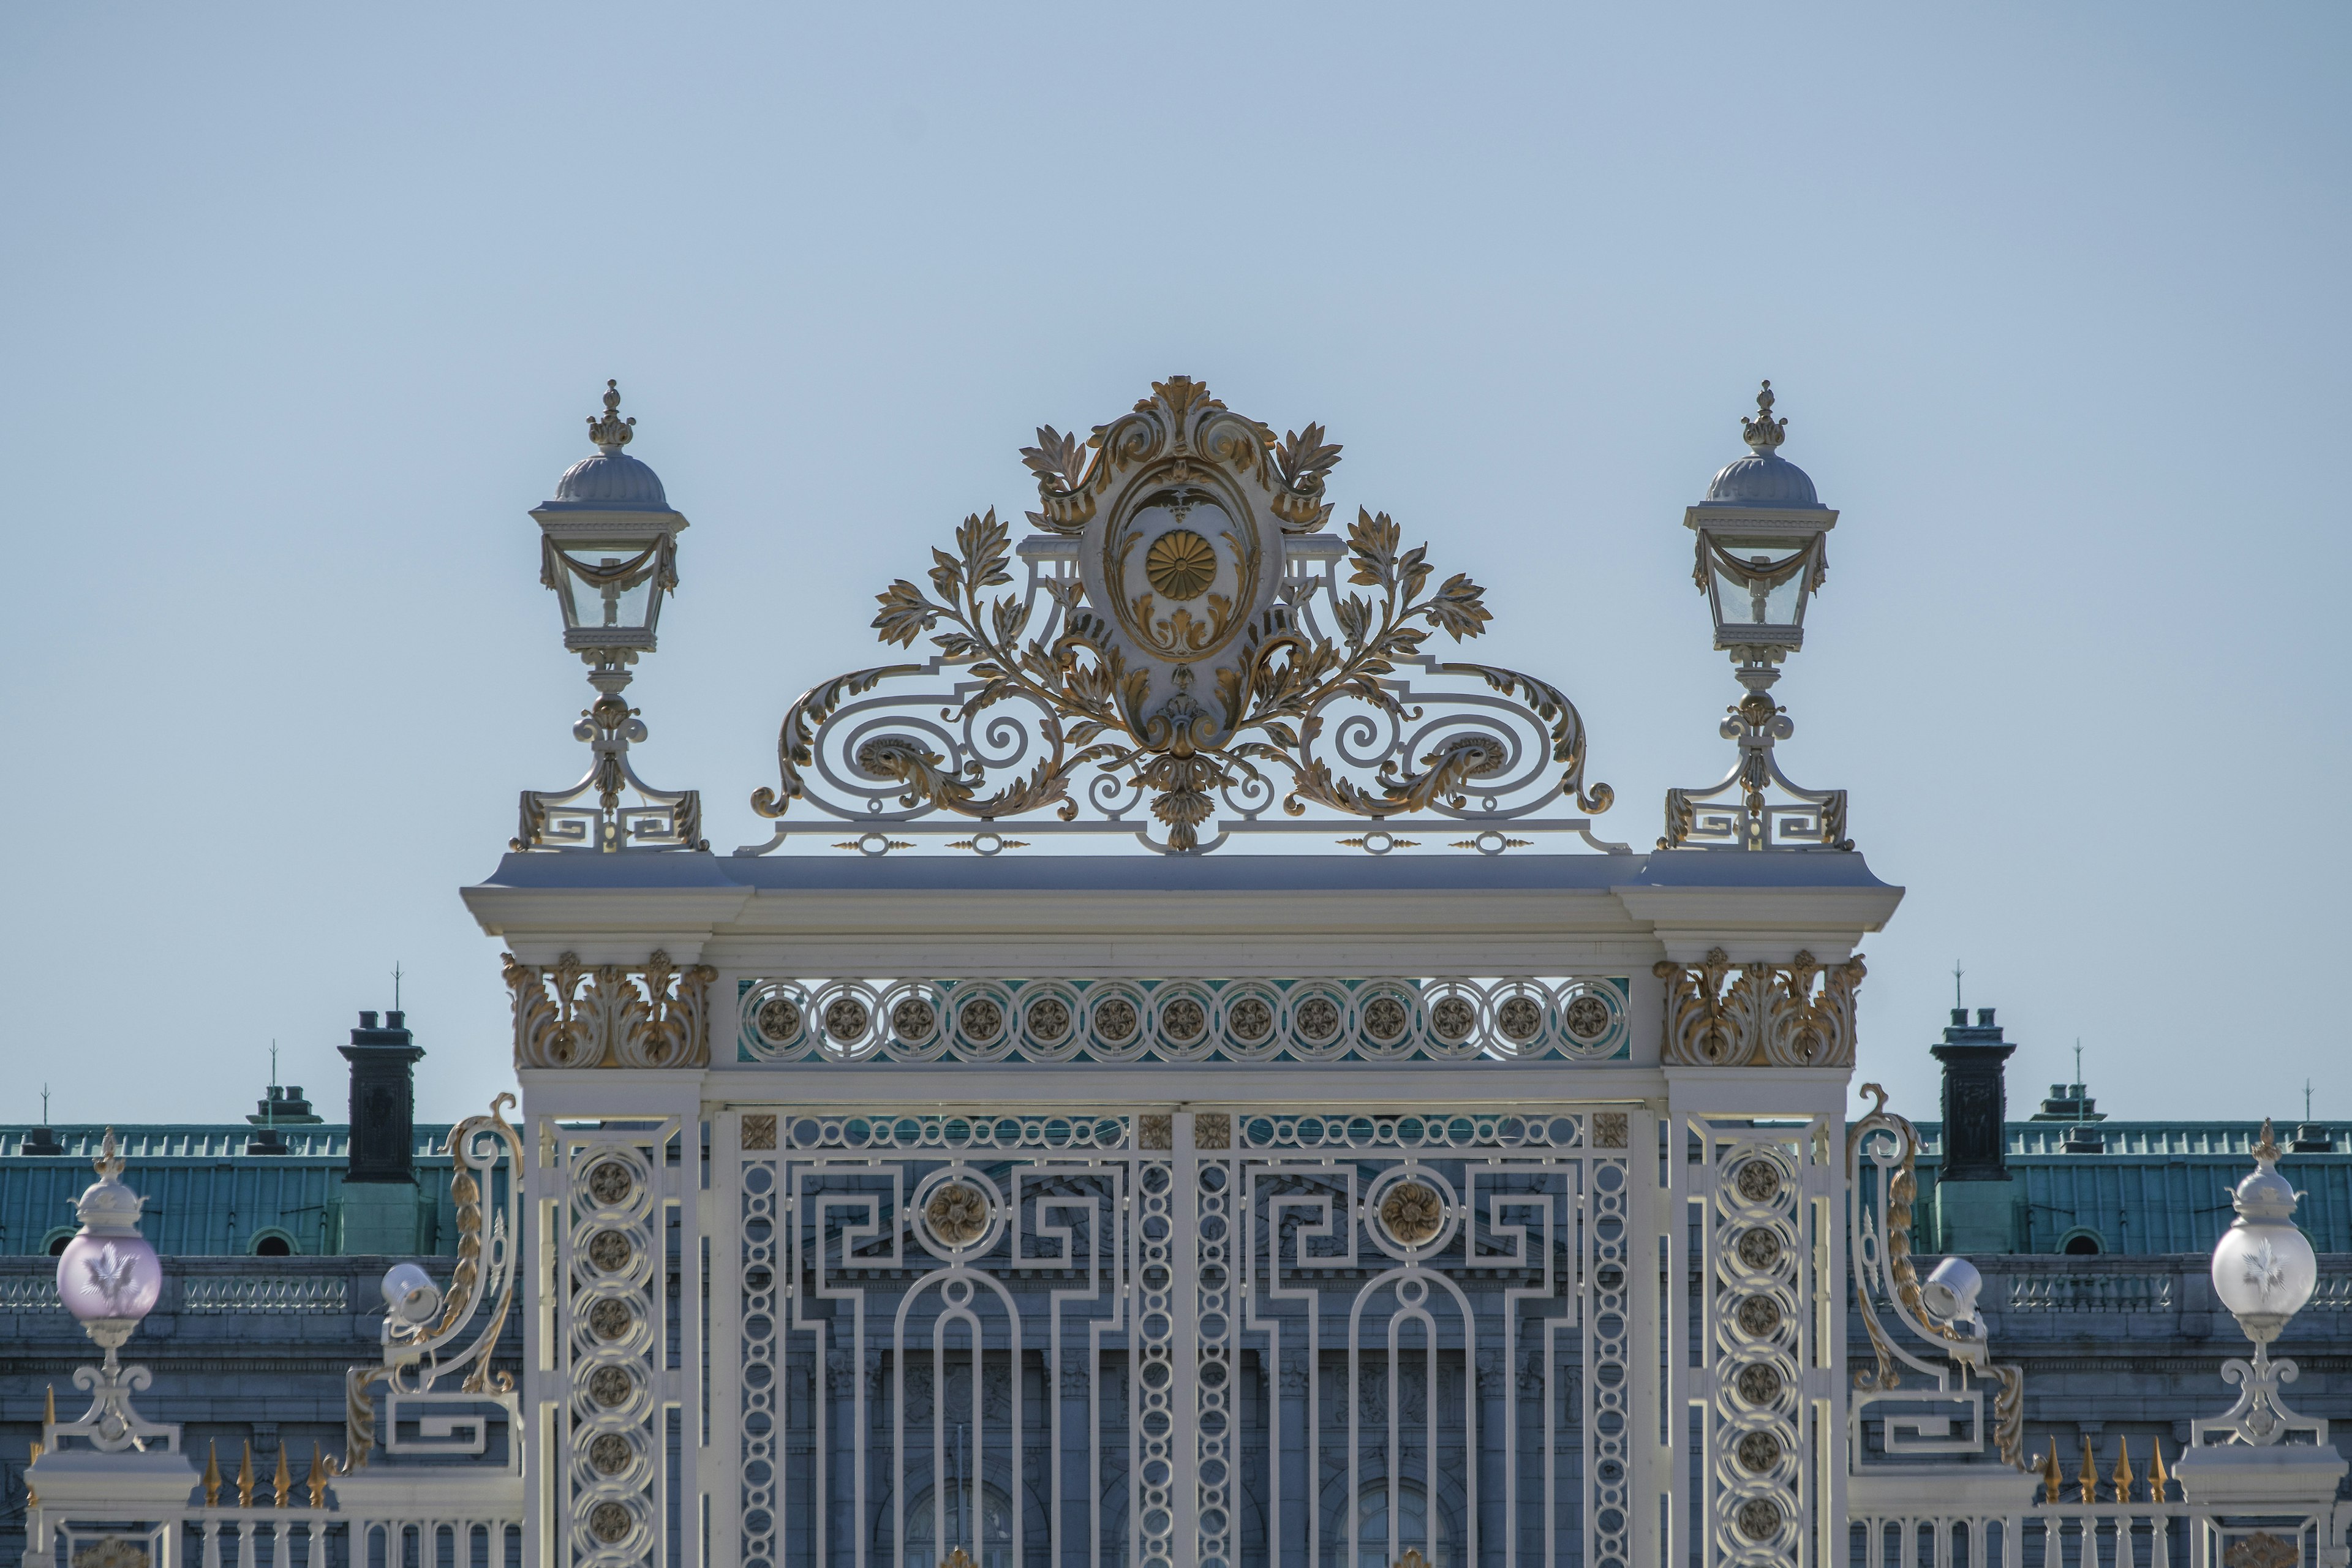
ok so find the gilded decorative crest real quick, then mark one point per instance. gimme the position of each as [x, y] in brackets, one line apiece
[1182, 659]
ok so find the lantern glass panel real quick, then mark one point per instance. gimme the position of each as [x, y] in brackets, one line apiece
[1750, 598]
[606, 588]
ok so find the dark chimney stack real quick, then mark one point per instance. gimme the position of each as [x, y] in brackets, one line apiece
[384, 1102]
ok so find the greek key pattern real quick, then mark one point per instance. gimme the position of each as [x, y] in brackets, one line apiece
[1196, 1338]
[611, 1260]
[1567, 1019]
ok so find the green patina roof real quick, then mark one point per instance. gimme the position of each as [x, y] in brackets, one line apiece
[2155, 1186]
[205, 1196]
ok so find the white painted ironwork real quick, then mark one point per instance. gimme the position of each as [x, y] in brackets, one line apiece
[1389, 1019]
[1167, 1337]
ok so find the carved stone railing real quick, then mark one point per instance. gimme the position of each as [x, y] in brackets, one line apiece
[649, 1015]
[267, 1293]
[2091, 1293]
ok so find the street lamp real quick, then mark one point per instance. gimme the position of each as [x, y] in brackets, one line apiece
[109, 1279]
[2265, 1272]
[1761, 537]
[608, 549]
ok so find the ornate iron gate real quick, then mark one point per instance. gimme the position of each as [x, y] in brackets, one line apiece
[1147, 1338]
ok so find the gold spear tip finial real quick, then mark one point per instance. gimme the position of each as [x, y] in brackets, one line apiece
[611, 432]
[1763, 433]
[2268, 1148]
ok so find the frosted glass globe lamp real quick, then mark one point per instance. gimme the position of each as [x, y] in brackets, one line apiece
[2263, 1267]
[109, 1276]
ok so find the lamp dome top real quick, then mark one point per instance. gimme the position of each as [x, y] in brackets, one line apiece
[1763, 477]
[107, 1207]
[612, 480]
[2265, 1194]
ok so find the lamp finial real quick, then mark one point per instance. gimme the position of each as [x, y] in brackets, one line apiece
[1763, 433]
[611, 432]
[108, 1161]
[2268, 1148]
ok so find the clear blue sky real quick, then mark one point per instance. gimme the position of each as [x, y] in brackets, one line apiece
[306, 306]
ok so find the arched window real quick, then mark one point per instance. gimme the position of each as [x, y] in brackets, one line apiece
[57, 1242]
[2081, 1242]
[273, 1244]
[987, 1535]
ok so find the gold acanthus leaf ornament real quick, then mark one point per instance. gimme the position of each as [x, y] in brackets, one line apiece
[1134, 709]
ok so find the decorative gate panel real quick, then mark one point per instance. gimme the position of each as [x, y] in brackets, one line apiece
[1147, 1338]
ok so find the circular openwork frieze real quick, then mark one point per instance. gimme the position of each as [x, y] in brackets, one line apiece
[1181, 565]
[610, 1319]
[611, 1386]
[610, 1455]
[1251, 1019]
[1758, 1452]
[1758, 1315]
[846, 1019]
[1520, 1018]
[1317, 1020]
[1454, 1018]
[1387, 1019]
[610, 1251]
[1759, 1180]
[1412, 1212]
[957, 1214]
[1586, 1018]
[779, 1020]
[1759, 1518]
[981, 1019]
[608, 1523]
[1116, 1020]
[913, 1018]
[1758, 1383]
[1759, 1249]
[1048, 1017]
[1185, 1020]
[611, 1183]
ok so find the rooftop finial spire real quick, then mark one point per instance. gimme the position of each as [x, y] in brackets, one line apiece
[611, 432]
[1763, 433]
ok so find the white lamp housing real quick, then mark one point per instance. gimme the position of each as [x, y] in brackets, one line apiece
[2263, 1267]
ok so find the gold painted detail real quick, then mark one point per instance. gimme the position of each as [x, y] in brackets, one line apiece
[1155, 1132]
[1799, 1014]
[1881, 1259]
[479, 1296]
[1179, 564]
[1412, 1559]
[123, 1552]
[1206, 679]
[2259, 1549]
[1212, 1129]
[1610, 1128]
[1412, 1212]
[649, 1015]
[957, 1214]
